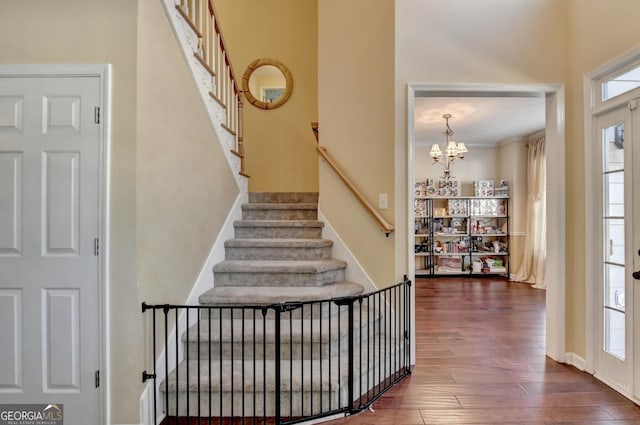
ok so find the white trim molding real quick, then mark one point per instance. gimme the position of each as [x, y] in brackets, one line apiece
[593, 108]
[354, 271]
[187, 40]
[103, 73]
[556, 193]
[576, 361]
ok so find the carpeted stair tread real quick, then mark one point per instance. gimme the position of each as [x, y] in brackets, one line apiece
[272, 266]
[259, 296]
[277, 243]
[278, 223]
[300, 228]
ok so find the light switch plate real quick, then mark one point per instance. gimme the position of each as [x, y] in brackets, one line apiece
[383, 201]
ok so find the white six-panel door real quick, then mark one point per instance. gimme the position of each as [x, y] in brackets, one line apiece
[49, 260]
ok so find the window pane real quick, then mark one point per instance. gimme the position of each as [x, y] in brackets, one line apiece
[614, 194]
[614, 333]
[613, 147]
[614, 240]
[621, 84]
[614, 295]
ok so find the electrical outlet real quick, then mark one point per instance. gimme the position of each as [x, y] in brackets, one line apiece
[383, 201]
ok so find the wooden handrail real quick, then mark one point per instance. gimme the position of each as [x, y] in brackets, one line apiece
[386, 227]
[213, 54]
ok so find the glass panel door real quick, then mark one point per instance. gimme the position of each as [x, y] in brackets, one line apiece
[614, 362]
[613, 241]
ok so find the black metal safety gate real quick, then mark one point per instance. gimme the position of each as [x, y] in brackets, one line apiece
[279, 364]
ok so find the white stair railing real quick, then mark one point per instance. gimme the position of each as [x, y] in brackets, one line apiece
[197, 29]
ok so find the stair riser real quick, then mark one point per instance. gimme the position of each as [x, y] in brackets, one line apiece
[278, 279]
[279, 214]
[288, 254]
[335, 394]
[278, 232]
[318, 312]
[315, 350]
[236, 400]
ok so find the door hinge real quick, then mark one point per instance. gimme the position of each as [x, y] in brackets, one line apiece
[97, 378]
[96, 115]
[96, 246]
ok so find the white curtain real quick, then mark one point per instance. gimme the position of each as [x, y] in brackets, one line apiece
[535, 250]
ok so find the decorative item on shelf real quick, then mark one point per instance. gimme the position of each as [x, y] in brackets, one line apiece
[420, 188]
[503, 189]
[420, 207]
[488, 207]
[483, 187]
[450, 264]
[448, 188]
[431, 187]
[439, 212]
[457, 206]
[453, 150]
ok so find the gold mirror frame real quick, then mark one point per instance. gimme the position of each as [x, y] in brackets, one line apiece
[288, 89]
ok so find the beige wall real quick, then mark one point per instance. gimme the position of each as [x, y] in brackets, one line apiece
[598, 32]
[94, 31]
[480, 163]
[512, 166]
[279, 144]
[163, 154]
[516, 41]
[185, 188]
[528, 42]
[355, 92]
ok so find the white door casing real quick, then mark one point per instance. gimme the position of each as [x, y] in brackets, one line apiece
[555, 274]
[605, 105]
[614, 353]
[635, 253]
[51, 226]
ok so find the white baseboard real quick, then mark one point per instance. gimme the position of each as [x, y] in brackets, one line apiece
[204, 281]
[576, 361]
[354, 271]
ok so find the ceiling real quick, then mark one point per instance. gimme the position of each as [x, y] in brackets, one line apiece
[477, 121]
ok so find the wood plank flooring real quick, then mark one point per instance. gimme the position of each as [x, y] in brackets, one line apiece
[480, 360]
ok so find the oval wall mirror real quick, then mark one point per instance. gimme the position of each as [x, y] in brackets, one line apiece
[267, 83]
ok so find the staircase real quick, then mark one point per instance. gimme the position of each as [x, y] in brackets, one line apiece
[278, 255]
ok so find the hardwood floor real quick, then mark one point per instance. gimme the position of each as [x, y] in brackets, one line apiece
[480, 360]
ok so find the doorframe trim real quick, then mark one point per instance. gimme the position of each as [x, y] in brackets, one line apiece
[555, 273]
[103, 73]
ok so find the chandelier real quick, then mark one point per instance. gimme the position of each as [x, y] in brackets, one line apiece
[453, 150]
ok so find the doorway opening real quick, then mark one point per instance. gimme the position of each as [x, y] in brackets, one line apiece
[553, 96]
